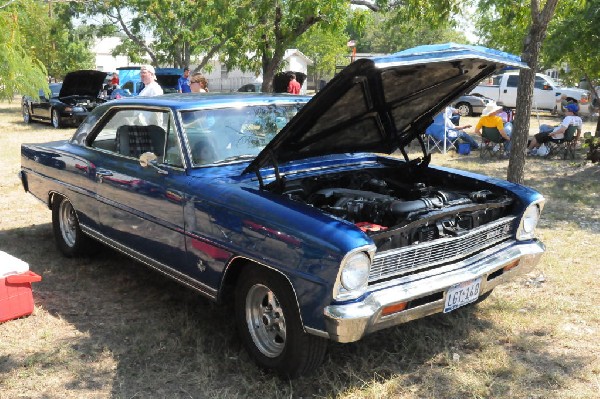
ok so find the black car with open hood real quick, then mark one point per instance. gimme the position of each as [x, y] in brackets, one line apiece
[79, 93]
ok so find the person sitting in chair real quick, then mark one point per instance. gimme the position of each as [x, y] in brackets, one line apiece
[490, 118]
[548, 133]
[443, 127]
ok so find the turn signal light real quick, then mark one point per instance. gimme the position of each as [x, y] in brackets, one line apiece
[399, 307]
[511, 265]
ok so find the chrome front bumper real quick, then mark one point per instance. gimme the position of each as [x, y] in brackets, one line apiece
[349, 322]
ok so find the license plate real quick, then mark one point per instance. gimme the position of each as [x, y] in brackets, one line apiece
[461, 294]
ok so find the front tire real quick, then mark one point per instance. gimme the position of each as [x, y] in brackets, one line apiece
[56, 122]
[69, 238]
[269, 325]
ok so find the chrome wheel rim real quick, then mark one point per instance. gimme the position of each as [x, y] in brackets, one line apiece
[463, 110]
[265, 320]
[68, 223]
[55, 121]
[26, 115]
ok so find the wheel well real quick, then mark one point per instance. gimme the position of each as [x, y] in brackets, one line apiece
[232, 275]
[52, 197]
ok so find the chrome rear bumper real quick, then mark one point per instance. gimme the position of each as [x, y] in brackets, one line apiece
[349, 322]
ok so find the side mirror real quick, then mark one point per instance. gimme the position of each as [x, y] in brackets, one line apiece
[146, 158]
[149, 159]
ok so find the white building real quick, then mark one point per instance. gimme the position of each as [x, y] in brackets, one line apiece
[219, 79]
[105, 61]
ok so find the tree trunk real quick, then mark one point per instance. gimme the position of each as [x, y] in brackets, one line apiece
[531, 50]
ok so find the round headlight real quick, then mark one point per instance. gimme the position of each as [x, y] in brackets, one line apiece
[528, 223]
[356, 271]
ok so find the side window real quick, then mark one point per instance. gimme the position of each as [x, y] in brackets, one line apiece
[131, 132]
[513, 81]
[540, 83]
[496, 80]
[173, 155]
[128, 86]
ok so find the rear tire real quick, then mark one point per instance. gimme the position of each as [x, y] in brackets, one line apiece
[269, 325]
[69, 238]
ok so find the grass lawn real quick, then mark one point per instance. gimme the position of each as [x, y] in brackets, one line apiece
[108, 327]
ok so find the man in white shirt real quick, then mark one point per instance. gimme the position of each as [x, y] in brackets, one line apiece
[558, 132]
[151, 87]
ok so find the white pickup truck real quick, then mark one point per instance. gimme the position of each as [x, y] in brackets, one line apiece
[546, 92]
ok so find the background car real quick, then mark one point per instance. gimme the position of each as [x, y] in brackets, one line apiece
[471, 104]
[251, 88]
[69, 102]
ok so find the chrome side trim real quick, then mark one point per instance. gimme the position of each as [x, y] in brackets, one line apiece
[349, 322]
[184, 279]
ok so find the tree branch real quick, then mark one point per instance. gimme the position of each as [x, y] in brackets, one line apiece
[365, 3]
[134, 38]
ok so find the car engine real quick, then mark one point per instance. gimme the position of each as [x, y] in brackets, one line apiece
[397, 212]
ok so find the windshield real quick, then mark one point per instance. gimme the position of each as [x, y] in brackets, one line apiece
[233, 134]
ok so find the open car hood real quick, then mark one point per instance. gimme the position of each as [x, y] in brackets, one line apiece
[82, 83]
[382, 104]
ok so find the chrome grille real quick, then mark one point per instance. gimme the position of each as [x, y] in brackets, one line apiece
[397, 262]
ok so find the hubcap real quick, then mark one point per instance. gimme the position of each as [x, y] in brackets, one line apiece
[265, 319]
[68, 223]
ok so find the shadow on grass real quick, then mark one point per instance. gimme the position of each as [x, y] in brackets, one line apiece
[570, 187]
[167, 341]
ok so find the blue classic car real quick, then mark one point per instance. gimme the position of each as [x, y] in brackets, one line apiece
[313, 216]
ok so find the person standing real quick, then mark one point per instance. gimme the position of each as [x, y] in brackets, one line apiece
[183, 83]
[198, 83]
[151, 86]
[114, 81]
[293, 86]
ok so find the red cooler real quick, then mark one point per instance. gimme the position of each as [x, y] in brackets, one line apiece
[16, 299]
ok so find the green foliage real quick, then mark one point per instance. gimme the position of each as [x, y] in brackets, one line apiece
[20, 71]
[573, 39]
[324, 48]
[386, 33]
[572, 33]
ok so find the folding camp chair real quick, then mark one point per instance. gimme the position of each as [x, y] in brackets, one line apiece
[490, 138]
[566, 145]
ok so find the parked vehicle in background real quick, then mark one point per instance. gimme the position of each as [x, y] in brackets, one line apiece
[292, 208]
[251, 88]
[70, 102]
[167, 78]
[131, 80]
[471, 104]
[546, 92]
